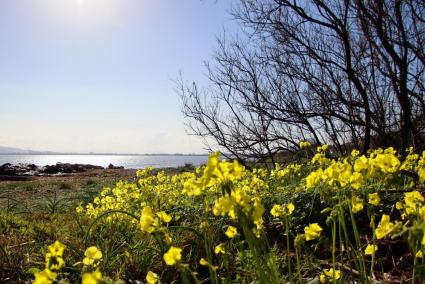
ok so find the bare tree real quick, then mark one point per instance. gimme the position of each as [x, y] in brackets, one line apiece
[349, 73]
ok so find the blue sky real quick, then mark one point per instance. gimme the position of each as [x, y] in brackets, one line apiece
[97, 75]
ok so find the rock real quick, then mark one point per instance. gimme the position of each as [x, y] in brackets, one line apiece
[69, 168]
[112, 167]
[33, 170]
[7, 169]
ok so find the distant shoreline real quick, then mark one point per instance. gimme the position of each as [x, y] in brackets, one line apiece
[100, 154]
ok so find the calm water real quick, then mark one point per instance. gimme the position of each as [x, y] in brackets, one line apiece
[127, 161]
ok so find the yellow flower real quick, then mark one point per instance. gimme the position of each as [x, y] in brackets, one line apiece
[329, 273]
[276, 210]
[147, 220]
[222, 206]
[370, 249]
[92, 278]
[356, 204]
[322, 148]
[374, 199]
[164, 216]
[152, 277]
[387, 162]
[355, 153]
[290, 207]
[312, 231]
[356, 180]
[361, 163]
[281, 210]
[219, 249]
[44, 277]
[192, 187]
[304, 144]
[419, 254]
[257, 216]
[314, 178]
[54, 262]
[231, 232]
[56, 249]
[384, 227]
[173, 255]
[92, 254]
[203, 262]
[412, 200]
[421, 173]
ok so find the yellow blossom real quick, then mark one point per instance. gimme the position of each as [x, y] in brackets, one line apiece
[147, 220]
[361, 164]
[421, 173]
[312, 231]
[151, 277]
[173, 255]
[384, 227]
[44, 277]
[304, 144]
[281, 210]
[356, 204]
[314, 178]
[356, 180]
[164, 216]
[92, 254]
[371, 249]
[56, 249]
[91, 278]
[290, 207]
[374, 199]
[330, 273]
[231, 232]
[203, 262]
[355, 153]
[219, 249]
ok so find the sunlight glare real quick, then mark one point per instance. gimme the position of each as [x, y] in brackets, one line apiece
[88, 13]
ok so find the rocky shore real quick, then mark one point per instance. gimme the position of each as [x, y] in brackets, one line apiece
[29, 170]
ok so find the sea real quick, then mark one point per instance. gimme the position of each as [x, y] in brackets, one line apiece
[126, 161]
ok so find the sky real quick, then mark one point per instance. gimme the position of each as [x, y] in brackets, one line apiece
[99, 75]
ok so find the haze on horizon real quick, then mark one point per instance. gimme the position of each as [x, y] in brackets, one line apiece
[97, 75]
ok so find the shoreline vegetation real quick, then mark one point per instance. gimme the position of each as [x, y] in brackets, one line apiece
[352, 219]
